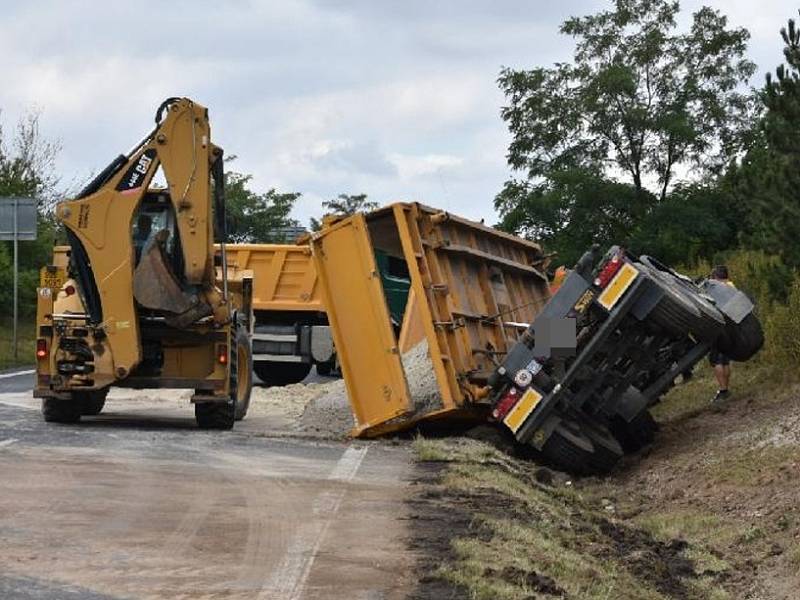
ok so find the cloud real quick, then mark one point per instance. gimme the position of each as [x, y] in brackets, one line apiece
[392, 99]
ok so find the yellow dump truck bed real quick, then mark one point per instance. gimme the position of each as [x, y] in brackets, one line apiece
[472, 292]
[284, 278]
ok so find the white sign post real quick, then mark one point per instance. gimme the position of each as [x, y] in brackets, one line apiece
[17, 222]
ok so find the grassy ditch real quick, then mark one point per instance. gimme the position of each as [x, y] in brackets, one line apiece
[26, 344]
[530, 534]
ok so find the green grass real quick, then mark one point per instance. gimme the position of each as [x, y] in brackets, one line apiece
[523, 530]
[794, 556]
[757, 380]
[25, 347]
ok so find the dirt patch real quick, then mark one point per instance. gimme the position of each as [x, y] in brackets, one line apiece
[491, 530]
[725, 479]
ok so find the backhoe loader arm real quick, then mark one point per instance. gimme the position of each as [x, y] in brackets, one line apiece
[99, 228]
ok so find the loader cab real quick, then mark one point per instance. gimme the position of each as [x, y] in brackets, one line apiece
[155, 213]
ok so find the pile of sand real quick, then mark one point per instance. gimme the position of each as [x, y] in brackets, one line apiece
[317, 409]
[328, 414]
[422, 385]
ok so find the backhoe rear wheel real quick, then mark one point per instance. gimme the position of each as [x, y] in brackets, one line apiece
[92, 403]
[61, 411]
[241, 373]
[215, 415]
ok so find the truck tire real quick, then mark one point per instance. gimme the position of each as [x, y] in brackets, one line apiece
[92, 403]
[281, 373]
[61, 411]
[215, 415]
[571, 449]
[636, 434]
[325, 369]
[682, 311]
[742, 341]
[241, 373]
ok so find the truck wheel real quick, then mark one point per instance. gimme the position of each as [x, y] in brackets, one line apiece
[241, 373]
[215, 415]
[281, 373]
[682, 311]
[325, 368]
[571, 449]
[61, 411]
[92, 403]
[635, 435]
[741, 341]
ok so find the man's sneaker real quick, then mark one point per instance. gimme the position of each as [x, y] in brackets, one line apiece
[720, 396]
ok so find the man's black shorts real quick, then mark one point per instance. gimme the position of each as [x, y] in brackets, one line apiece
[715, 357]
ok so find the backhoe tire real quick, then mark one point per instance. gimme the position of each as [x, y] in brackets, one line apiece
[281, 373]
[61, 411]
[241, 373]
[636, 434]
[215, 415]
[92, 403]
[682, 311]
[571, 449]
[742, 341]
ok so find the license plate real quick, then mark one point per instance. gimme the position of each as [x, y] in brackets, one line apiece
[522, 409]
[52, 278]
[617, 287]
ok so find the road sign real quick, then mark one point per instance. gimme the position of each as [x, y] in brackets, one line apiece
[17, 222]
[24, 209]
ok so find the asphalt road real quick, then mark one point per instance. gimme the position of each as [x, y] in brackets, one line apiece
[134, 505]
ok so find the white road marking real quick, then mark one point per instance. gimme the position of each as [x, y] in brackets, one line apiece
[8, 442]
[16, 373]
[13, 399]
[289, 579]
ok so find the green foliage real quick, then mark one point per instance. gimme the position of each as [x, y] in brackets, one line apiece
[694, 221]
[27, 165]
[344, 205]
[27, 162]
[254, 217]
[768, 177]
[638, 97]
[570, 210]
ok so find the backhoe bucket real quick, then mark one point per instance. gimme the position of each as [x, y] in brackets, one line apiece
[154, 284]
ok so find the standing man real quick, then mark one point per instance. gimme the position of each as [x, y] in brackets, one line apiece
[720, 362]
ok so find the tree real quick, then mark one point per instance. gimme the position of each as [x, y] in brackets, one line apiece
[27, 169]
[27, 162]
[253, 217]
[767, 178]
[639, 101]
[571, 210]
[344, 205]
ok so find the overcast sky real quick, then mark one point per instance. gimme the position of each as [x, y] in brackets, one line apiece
[397, 100]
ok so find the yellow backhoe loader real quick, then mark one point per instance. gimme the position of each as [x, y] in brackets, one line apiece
[140, 303]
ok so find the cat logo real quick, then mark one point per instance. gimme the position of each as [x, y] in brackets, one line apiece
[136, 174]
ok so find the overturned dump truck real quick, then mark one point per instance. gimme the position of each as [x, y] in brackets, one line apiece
[466, 346]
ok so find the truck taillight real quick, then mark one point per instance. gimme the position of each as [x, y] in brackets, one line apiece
[222, 354]
[41, 348]
[608, 271]
[506, 403]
